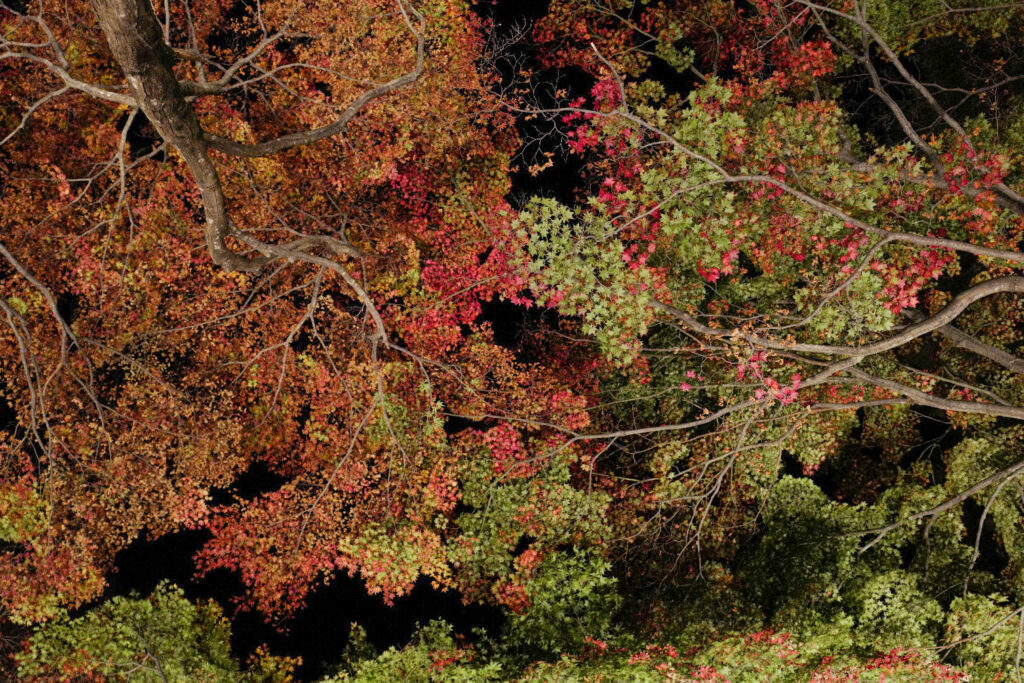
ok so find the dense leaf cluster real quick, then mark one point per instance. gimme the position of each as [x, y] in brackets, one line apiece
[760, 415]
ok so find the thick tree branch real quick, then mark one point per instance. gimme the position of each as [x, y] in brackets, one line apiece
[925, 399]
[136, 41]
[1007, 284]
[975, 345]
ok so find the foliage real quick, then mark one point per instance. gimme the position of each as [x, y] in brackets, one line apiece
[433, 655]
[761, 656]
[163, 637]
[758, 414]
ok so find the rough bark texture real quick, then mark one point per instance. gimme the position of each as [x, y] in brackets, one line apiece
[136, 42]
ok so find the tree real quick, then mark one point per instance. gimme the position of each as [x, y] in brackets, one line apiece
[164, 637]
[779, 275]
[326, 328]
[161, 638]
[776, 407]
[770, 262]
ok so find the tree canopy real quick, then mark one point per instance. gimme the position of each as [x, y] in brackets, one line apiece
[688, 334]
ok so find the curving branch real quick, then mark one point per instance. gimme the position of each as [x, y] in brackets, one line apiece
[309, 137]
[1006, 196]
[798, 194]
[951, 502]
[136, 41]
[12, 49]
[970, 343]
[1006, 284]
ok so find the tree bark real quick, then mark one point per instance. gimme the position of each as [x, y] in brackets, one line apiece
[136, 42]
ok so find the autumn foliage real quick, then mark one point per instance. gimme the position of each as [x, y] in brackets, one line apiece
[758, 417]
